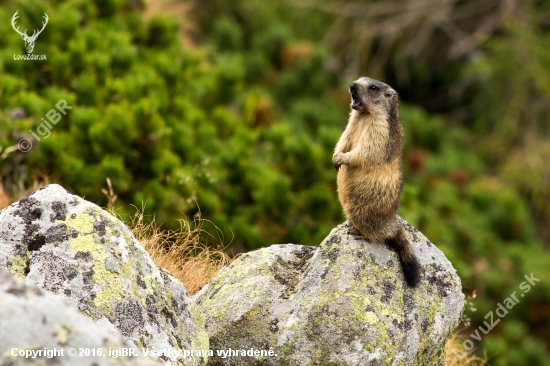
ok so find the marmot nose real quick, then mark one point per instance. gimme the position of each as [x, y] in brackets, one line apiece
[353, 87]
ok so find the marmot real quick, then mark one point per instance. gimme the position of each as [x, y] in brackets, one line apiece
[370, 180]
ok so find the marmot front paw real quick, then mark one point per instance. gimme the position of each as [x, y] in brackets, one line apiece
[338, 160]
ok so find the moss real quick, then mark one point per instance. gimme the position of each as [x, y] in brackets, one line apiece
[263, 253]
[62, 333]
[373, 306]
[219, 315]
[125, 270]
[359, 302]
[19, 265]
[82, 222]
[148, 279]
[293, 326]
[111, 287]
[385, 343]
[139, 342]
[319, 358]
[135, 293]
[255, 312]
[87, 241]
[201, 340]
[116, 273]
[425, 345]
[198, 317]
[255, 292]
[286, 351]
[232, 284]
[328, 298]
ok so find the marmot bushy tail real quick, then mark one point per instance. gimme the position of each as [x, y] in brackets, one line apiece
[409, 263]
[370, 180]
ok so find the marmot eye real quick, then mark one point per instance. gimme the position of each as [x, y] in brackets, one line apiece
[372, 87]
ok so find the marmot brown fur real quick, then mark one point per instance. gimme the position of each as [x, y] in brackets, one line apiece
[370, 180]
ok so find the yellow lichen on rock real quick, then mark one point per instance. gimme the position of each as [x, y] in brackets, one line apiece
[19, 265]
[342, 303]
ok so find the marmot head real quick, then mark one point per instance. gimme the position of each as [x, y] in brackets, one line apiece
[372, 96]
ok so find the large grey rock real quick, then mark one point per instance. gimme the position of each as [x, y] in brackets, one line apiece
[33, 320]
[342, 303]
[72, 247]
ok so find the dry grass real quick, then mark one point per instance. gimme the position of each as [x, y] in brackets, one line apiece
[460, 357]
[183, 252]
[187, 258]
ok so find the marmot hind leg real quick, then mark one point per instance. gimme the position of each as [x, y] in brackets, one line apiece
[409, 262]
[390, 231]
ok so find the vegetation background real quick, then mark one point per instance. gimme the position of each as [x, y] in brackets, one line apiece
[234, 107]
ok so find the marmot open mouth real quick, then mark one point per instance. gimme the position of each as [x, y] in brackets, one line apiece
[355, 102]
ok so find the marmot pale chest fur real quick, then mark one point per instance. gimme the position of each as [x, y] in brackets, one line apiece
[370, 180]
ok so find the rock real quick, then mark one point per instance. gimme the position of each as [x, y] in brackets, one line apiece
[342, 303]
[32, 319]
[72, 247]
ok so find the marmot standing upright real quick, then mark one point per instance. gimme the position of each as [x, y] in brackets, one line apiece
[370, 180]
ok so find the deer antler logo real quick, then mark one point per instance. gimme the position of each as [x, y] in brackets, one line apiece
[29, 41]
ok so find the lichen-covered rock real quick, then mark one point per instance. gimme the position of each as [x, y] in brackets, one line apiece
[342, 303]
[34, 321]
[72, 247]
